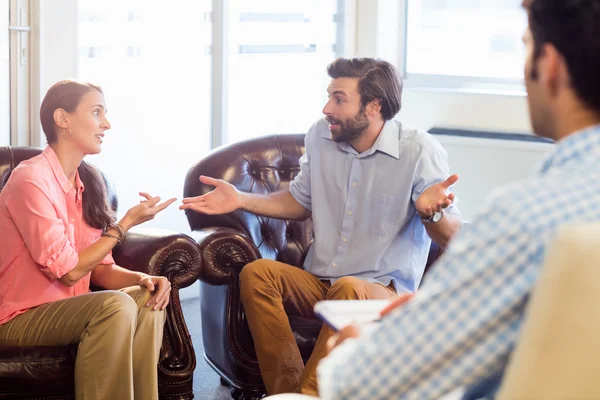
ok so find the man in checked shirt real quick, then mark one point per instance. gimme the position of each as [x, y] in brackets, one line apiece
[460, 328]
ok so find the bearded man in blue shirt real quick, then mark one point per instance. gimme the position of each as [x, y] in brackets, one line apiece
[378, 192]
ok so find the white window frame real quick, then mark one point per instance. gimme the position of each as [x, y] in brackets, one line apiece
[447, 83]
[220, 59]
[24, 40]
[5, 107]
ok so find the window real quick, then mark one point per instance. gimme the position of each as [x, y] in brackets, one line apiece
[158, 99]
[134, 51]
[16, 71]
[133, 16]
[465, 43]
[4, 74]
[278, 54]
[90, 51]
[184, 76]
[91, 16]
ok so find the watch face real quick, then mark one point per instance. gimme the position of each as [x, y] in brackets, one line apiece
[437, 216]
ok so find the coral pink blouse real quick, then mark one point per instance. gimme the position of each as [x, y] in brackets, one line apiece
[42, 230]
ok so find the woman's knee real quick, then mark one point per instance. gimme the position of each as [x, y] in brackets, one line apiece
[139, 294]
[119, 306]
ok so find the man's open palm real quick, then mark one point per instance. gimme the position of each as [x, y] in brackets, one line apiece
[224, 199]
[435, 197]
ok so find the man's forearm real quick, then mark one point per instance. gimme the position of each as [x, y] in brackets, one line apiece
[442, 231]
[280, 205]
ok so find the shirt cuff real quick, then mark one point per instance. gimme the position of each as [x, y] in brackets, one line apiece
[60, 263]
[452, 209]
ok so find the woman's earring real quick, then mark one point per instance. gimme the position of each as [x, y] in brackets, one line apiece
[66, 137]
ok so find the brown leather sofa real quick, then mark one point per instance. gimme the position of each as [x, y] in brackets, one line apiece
[47, 372]
[229, 242]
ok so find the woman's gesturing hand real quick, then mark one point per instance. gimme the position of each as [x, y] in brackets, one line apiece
[145, 211]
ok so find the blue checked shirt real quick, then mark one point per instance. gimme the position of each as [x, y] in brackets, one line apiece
[462, 325]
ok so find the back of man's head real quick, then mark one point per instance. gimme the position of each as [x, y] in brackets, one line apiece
[573, 28]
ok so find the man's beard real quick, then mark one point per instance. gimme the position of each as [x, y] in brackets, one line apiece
[351, 129]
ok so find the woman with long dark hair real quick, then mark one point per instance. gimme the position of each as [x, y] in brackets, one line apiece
[58, 231]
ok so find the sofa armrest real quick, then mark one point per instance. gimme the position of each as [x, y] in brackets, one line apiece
[224, 252]
[160, 252]
[177, 257]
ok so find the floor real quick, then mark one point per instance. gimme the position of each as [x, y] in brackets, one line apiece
[206, 382]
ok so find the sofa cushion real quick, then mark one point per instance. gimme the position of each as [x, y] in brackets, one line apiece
[50, 370]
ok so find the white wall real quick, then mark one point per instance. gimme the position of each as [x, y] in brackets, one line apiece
[482, 164]
[427, 109]
[58, 41]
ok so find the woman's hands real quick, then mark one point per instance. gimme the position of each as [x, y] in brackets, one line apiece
[145, 211]
[162, 286]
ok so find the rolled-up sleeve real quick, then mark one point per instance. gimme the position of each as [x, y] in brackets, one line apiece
[43, 232]
[300, 187]
[433, 168]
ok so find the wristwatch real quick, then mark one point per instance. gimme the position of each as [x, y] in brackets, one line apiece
[435, 217]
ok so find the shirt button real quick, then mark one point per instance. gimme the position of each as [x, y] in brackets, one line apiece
[333, 264]
[349, 212]
[354, 184]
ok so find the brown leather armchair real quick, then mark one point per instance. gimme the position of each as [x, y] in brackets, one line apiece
[229, 242]
[41, 372]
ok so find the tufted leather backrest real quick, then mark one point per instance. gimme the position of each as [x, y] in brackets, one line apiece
[261, 165]
[10, 157]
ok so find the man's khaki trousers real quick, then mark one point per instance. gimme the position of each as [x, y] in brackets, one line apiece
[119, 340]
[270, 291]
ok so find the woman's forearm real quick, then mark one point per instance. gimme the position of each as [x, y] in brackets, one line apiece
[92, 255]
[112, 277]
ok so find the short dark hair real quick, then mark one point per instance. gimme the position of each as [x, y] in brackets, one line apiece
[378, 79]
[573, 27]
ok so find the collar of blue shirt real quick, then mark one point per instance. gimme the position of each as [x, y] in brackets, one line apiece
[387, 141]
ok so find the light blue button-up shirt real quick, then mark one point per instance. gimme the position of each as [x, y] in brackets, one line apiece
[363, 205]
